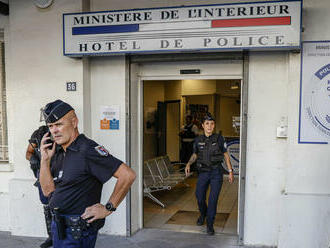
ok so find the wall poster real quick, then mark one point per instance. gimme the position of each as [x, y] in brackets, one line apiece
[314, 113]
[109, 117]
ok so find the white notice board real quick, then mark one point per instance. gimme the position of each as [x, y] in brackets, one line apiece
[314, 121]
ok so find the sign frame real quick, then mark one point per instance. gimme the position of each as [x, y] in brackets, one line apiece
[301, 96]
[297, 43]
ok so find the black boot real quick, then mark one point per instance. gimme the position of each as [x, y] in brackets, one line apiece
[48, 218]
[210, 229]
[48, 243]
[200, 220]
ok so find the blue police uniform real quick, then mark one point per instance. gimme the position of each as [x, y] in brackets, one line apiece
[209, 152]
[79, 175]
[85, 167]
[35, 141]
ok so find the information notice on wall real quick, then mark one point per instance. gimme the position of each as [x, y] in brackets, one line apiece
[109, 117]
[314, 121]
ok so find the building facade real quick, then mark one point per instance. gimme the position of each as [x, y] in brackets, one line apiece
[284, 186]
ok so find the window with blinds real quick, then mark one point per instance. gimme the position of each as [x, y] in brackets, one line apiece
[3, 107]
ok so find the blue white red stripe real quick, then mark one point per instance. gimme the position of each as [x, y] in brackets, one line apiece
[224, 23]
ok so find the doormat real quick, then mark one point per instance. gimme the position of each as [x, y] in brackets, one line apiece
[190, 218]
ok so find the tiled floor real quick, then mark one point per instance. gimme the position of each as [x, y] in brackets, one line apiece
[182, 198]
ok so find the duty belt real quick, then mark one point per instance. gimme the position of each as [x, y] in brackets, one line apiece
[75, 223]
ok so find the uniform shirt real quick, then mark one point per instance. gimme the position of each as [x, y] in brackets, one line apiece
[221, 142]
[85, 167]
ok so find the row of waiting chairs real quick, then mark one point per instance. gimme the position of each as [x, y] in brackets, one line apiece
[161, 174]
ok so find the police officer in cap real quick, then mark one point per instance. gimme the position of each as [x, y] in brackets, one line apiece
[209, 151]
[75, 187]
[33, 155]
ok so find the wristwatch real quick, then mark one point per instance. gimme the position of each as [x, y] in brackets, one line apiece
[230, 170]
[109, 206]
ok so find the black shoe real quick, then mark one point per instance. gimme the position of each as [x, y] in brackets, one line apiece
[48, 243]
[200, 220]
[210, 229]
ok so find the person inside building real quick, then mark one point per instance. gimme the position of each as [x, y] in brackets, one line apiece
[33, 155]
[209, 151]
[74, 190]
[187, 135]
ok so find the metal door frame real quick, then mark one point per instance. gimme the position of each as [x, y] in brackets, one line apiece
[244, 56]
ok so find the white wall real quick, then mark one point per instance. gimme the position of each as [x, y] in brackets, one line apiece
[6, 170]
[36, 73]
[266, 155]
[305, 217]
[108, 78]
[4, 213]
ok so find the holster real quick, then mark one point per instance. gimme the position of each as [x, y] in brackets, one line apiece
[77, 225]
[48, 219]
[60, 224]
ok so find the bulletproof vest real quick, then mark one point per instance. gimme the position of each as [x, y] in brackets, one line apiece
[209, 155]
[187, 132]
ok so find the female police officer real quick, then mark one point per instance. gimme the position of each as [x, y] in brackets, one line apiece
[74, 188]
[209, 150]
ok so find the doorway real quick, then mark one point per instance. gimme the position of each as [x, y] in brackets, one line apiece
[171, 202]
[211, 91]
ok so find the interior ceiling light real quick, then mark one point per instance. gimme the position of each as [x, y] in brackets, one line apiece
[43, 4]
[234, 86]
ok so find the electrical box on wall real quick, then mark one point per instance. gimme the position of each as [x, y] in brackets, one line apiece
[282, 129]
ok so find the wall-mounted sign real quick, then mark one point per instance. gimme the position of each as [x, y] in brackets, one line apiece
[314, 121]
[233, 152]
[71, 86]
[258, 25]
[109, 117]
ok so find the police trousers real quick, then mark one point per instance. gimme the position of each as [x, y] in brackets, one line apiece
[87, 239]
[214, 178]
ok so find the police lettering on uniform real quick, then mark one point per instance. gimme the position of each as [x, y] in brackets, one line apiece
[74, 187]
[209, 151]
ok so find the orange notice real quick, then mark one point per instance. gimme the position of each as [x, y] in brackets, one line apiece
[105, 124]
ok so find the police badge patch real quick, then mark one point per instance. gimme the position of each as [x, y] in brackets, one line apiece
[101, 150]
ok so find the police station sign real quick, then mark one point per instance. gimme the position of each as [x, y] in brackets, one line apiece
[262, 25]
[314, 121]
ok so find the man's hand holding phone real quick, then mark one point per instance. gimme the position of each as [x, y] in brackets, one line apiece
[47, 147]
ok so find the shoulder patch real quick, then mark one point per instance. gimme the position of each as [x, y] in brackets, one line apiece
[101, 150]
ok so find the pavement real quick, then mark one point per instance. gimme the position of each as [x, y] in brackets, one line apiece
[145, 238]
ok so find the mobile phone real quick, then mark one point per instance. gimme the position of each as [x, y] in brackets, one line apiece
[50, 141]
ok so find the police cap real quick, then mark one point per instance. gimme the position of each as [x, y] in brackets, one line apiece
[208, 117]
[54, 111]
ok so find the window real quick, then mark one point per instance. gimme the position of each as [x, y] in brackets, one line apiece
[3, 104]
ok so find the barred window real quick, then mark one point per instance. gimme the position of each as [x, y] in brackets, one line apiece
[3, 104]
